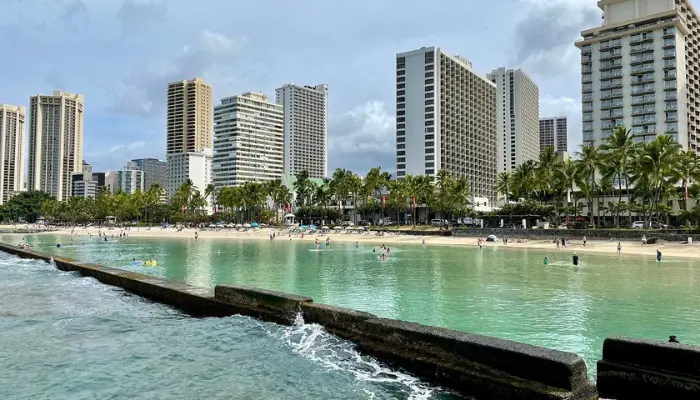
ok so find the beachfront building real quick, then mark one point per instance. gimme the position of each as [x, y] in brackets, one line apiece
[445, 119]
[248, 140]
[130, 179]
[55, 142]
[641, 69]
[517, 117]
[83, 183]
[195, 166]
[154, 171]
[12, 120]
[305, 128]
[554, 132]
[189, 132]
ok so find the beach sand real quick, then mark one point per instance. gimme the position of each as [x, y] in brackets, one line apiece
[592, 246]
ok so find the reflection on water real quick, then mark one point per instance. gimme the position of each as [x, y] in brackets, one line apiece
[66, 337]
[500, 292]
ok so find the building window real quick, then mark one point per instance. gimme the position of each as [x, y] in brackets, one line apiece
[401, 86]
[400, 166]
[401, 112]
[429, 102]
[429, 158]
[401, 79]
[401, 146]
[429, 109]
[429, 74]
[429, 171]
[429, 137]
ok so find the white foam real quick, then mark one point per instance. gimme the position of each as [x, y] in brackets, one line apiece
[314, 343]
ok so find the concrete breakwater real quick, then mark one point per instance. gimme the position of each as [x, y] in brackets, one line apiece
[474, 365]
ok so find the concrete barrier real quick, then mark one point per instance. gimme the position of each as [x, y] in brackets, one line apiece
[270, 304]
[637, 369]
[477, 365]
[474, 365]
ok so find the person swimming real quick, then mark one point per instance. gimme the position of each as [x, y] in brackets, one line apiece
[357, 245]
[546, 261]
[575, 259]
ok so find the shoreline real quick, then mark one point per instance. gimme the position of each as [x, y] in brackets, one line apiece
[670, 250]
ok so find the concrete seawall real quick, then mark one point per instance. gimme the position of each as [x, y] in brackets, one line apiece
[473, 365]
[644, 369]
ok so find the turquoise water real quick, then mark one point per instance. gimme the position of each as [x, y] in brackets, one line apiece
[68, 337]
[500, 292]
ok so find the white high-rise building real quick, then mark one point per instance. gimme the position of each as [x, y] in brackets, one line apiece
[248, 140]
[517, 117]
[12, 120]
[445, 119]
[55, 142]
[305, 128]
[554, 132]
[641, 69]
[130, 179]
[195, 166]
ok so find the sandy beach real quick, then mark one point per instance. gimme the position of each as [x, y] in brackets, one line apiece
[592, 246]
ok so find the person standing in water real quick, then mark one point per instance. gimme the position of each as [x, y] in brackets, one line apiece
[658, 255]
[619, 248]
[481, 243]
[196, 235]
[575, 259]
[545, 261]
[584, 240]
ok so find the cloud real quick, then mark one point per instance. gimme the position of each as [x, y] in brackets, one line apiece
[117, 156]
[545, 34]
[73, 12]
[362, 138]
[135, 16]
[143, 92]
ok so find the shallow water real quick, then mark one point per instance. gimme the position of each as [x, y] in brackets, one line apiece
[68, 337]
[506, 293]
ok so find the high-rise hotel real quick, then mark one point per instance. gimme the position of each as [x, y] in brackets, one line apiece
[641, 69]
[248, 140]
[554, 132]
[517, 117]
[55, 142]
[12, 146]
[189, 134]
[445, 119]
[305, 128]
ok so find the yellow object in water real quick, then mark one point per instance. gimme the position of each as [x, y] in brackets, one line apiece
[151, 263]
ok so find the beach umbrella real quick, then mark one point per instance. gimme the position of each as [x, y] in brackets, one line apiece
[338, 228]
[254, 225]
[303, 227]
[491, 238]
[312, 227]
[325, 227]
[239, 226]
[289, 216]
[246, 225]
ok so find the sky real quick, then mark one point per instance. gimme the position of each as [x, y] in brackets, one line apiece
[120, 54]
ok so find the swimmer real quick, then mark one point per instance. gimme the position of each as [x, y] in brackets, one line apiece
[374, 250]
[658, 255]
[619, 248]
[546, 261]
[218, 252]
[575, 259]
[423, 242]
[357, 245]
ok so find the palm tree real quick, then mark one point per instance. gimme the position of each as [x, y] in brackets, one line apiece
[426, 192]
[303, 187]
[545, 170]
[279, 195]
[687, 171]
[588, 164]
[565, 177]
[504, 183]
[374, 183]
[525, 180]
[658, 162]
[618, 151]
[210, 193]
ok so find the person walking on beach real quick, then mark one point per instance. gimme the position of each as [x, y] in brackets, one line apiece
[558, 243]
[644, 240]
[619, 248]
[584, 240]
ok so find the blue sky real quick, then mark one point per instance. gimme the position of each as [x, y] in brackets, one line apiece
[121, 53]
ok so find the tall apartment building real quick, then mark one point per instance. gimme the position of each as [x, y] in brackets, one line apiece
[248, 140]
[189, 125]
[154, 171]
[305, 128]
[554, 132]
[641, 69]
[12, 119]
[55, 142]
[130, 179]
[195, 166]
[189, 129]
[517, 117]
[445, 119]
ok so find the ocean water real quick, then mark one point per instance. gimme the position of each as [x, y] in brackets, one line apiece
[506, 293]
[63, 336]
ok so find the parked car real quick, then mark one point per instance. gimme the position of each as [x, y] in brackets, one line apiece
[362, 222]
[438, 222]
[657, 225]
[638, 224]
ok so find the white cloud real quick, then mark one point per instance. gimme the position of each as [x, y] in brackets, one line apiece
[362, 138]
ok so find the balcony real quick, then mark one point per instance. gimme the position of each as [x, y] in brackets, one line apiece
[672, 118]
[670, 75]
[642, 58]
[671, 128]
[610, 54]
[587, 97]
[586, 59]
[669, 43]
[647, 79]
[587, 88]
[670, 85]
[669, 33]
[671, 106]
[587, 118]
[610, 64]
[669, 64]
[586, 78]
[669, 53]
[641, 49]
[610, 104]
[616, 43]
[638, 69]
[643, 100]
[671, 96]
[643, 121]
[611, 74]
[650, 110]
[586, 68]
[611, 94]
